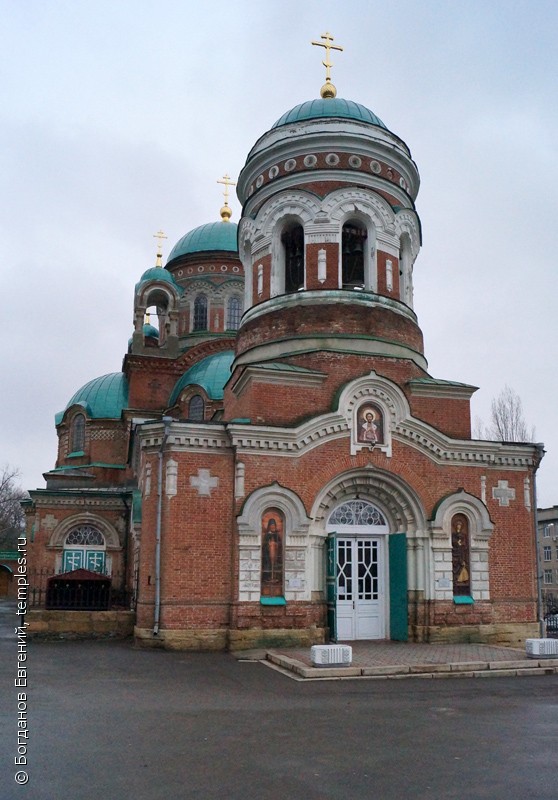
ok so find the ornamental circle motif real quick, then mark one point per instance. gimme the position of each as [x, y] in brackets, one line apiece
[332, 159]
[251, 190]
[200, 269]
[223, 267]
[402, 183]
[190, 270]
[375, 167]
[355, 162]
[180, 273]
[290, 165]
[236, 269]
[259, 181]
[310, 161]
[212, 268]
[273, 172]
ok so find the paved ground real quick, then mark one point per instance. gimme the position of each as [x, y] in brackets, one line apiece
[110, 721]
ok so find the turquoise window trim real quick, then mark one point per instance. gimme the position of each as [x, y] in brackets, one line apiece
[463, 600]
[76, 454]
[273, 601]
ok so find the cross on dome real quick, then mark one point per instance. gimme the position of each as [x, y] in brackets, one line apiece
[328, 89]
[159, 236]
[226, 212]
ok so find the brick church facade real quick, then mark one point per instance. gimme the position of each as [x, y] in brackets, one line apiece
[274, 464]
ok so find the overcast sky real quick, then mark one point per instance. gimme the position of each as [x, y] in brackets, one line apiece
[117, 119]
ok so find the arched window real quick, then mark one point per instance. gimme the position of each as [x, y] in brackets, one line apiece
[234, 312]
[78, 434]
[196, 408]
[292, 239]
[460, 559]
[200, 313]
[352, 255]
[84, 548]
[273, 537]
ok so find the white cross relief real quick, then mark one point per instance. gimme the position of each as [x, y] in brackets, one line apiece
[49, 522]
[503, 494]
[204, 483]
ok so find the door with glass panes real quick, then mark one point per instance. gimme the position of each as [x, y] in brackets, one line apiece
[360, 590]
[356, 571]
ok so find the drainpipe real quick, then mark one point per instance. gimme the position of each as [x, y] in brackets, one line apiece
[157, 613]
[540, 613]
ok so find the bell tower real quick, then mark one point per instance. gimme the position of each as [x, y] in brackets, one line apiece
[328, 239]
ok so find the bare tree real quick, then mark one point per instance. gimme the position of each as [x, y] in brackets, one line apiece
[507, 421]
[12, 518]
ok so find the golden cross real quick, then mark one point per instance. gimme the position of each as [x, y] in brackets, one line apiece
[226, 181]
[160, 236]
[328, 38]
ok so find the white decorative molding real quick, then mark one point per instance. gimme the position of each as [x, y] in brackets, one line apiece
[240, 471]
[322, 265]
[171, 482]
[389, 275]
[483, 488]
[527, 493]
[204, 482]
[109, 532]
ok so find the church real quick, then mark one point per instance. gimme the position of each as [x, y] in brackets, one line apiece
[274, 464]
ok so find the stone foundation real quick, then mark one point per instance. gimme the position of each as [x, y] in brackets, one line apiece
[79, 624]
[504, 634]
[223, 639]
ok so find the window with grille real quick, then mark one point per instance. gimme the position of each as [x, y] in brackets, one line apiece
[200, 313]
[234, 312]
[196, 408]
[357, 512]
[78, 433]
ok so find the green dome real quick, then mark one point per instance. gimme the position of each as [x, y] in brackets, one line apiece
[157, 274]
[211, 373]
[103, 398]
[329, 107]
[150, 331]
[213, 236]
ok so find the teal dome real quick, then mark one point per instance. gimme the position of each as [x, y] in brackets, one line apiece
[157, 274]
[329, 107]
[103, 398]
[150, 331]
[211, 373]
[213, 236]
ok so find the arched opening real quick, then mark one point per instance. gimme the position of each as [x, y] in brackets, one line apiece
[292, 240]
[234, 313]
[200, 313]
[78, 434]
[196, 408]
[460, 556]
[405, 270]
[353, 243]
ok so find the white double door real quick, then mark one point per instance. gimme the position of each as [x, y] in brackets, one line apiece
[360, 587]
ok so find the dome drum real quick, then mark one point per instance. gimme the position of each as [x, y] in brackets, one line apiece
[371, 325]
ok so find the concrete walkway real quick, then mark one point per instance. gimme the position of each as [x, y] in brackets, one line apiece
[406, 660]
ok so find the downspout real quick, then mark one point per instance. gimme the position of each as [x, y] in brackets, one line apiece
[157, 612]
[540, 614]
